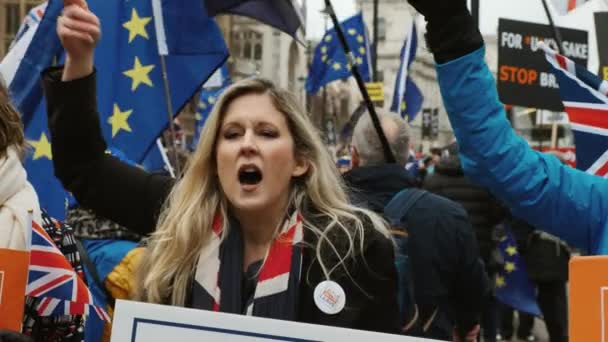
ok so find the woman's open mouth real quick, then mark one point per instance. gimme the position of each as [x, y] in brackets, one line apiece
[250, 176]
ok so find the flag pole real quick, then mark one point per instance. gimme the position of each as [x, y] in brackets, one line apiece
[558, 39]
[375, 43]
[556, 34]
[170, 113]
[388, 154]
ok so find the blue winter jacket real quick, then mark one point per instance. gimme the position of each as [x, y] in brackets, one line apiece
[559, 199]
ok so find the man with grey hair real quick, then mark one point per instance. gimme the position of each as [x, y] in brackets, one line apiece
[368, 149]
[450, 285]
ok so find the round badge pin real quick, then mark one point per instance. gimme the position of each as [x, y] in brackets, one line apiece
[330, 297]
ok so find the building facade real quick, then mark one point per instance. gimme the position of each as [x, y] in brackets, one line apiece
[257, 49]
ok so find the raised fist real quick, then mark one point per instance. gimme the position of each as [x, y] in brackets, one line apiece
[78, 29]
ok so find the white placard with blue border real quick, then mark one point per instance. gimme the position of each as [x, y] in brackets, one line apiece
[141, 322]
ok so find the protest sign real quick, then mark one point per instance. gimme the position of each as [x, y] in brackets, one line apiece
[588, 299]
[139, 322]
[13, 278]
[524, 76]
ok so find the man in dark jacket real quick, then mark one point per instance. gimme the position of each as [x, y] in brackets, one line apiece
[484, 212]
[450, 284]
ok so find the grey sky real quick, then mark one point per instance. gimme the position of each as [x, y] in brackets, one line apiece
[315, 25]
[490, 10]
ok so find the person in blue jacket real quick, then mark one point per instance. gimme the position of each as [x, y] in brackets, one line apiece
[538, 188]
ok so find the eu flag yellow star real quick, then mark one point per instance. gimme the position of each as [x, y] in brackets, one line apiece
[359, 60]
[137, 26]
[360, 39]
[352, 31]
[202, 105]
[337, 66]
[510, 267]
[118, 120]
[511, 250]
[139, 74]
[327, 39]
[198, 116]
[42, 148]
[211, 100]
[323, 58]
[324, 49]
[500, 281]
[362, 50]
[403, 106]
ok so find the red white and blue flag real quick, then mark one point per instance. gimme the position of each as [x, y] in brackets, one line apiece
[52, 278]
[585, 98]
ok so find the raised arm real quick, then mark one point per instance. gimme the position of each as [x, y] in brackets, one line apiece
[538, 188]
[115, 190]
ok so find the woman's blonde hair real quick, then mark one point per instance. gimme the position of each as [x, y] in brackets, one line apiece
[184, 226]
[11, 128]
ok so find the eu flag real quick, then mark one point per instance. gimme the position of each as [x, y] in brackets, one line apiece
[407, 97]
[132, 101]
[513, 287]
[329, 61]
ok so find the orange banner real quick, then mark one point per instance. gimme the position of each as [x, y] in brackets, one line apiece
[589, 299]
[13, 278]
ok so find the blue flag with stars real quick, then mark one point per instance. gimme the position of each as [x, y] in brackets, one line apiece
[134, 111]
[513, 287]
[330, 63]
[407, 97]
[132, 101]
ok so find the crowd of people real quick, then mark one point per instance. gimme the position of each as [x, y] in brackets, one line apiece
[411, 254]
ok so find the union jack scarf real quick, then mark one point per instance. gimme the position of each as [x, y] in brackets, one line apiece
[219, 286]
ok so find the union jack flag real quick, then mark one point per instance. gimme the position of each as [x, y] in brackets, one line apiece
[585, 97]
[52, 278]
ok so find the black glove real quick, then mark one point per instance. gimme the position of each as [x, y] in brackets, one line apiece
[451, 30]
[439, 10]
[11, 336]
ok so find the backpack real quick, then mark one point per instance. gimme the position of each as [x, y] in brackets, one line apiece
[395, 212]
[547, 258]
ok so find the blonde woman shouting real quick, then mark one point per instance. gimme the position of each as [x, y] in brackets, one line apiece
[259, 224]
